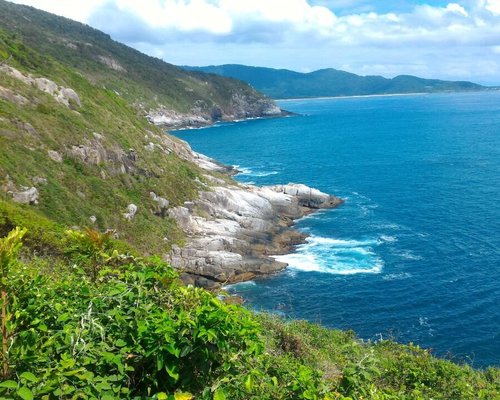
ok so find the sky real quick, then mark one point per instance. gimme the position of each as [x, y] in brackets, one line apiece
[432, 39]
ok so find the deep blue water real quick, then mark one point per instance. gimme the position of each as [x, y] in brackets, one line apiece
[414, 253]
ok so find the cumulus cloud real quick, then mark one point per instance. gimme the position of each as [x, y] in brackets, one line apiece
[177, 28]
[78, 10]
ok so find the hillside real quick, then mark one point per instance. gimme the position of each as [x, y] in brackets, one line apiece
[283, 84]
[90, 309]
[167, 94]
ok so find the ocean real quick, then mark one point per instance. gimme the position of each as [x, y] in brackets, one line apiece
[414, 253]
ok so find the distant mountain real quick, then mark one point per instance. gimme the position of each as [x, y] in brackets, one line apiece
[283, 83]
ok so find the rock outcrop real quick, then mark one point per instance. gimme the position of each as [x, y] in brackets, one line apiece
[241, 227]
[241, 106]
[63, 95]
[130, 213]
[26, 195]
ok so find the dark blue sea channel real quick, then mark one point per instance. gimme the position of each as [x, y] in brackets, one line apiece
[414, 253]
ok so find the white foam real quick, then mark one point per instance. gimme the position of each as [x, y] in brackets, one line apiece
[265, 173]
[245, 171]
[334, 256]
[408, 255]
[397, 276]
[388, 238]
[239, 285]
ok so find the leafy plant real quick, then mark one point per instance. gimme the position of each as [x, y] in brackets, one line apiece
[9, 248]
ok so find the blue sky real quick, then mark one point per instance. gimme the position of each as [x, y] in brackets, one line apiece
[458, 40]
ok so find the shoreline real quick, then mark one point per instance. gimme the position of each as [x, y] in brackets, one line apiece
[489, 89]
[357, 96]
[235, 231]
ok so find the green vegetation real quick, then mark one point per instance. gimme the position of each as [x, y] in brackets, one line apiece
[123, 171]
[100, 324]
[85, 315]
[143, 81]
[284, 84]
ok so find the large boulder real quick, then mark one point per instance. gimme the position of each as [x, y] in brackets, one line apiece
[26, 196]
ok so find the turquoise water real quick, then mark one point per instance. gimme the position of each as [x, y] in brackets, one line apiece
[414, 253]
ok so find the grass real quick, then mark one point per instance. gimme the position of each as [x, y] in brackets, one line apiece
[76, 190]
[97, 324]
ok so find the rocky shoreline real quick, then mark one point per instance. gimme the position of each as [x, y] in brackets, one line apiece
[234, 230]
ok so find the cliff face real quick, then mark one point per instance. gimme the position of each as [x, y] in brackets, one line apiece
[241, 106]
[165, 94]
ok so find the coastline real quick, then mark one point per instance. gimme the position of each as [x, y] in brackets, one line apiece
[354, 96]
[382, 95]
[233, 230]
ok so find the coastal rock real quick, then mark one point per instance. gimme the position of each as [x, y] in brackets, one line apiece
[242, 226]
[242, 105]
[308, 197]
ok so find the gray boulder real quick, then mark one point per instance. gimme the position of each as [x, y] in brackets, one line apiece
[27, 196]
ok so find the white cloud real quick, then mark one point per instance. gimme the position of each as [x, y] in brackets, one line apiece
[301, 34]
[78, 10]
[493, 6]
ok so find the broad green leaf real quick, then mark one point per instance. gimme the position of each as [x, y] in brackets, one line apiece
[63, 317]
[25, 394]
[249, 383]
[219, 395]
[8, 384]
[172, 371]
[181, 396]
[29, 376]
[162, 396]
[120, 343]
[186, 350]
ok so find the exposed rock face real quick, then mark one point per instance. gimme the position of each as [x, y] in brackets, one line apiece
[38, 180]
[201, 114]
[306, 196]
[130, 213]
[91, 153]
[172, 119]
[13, 97]
[162, 204]
[63, 95]
[111, 63]
[26, 196]
[243, 226]
[55, 156]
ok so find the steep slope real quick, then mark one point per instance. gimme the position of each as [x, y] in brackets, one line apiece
[78, 154]
[168, 94]
[282, 83]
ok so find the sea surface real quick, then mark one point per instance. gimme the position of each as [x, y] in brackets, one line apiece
[414, 253]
